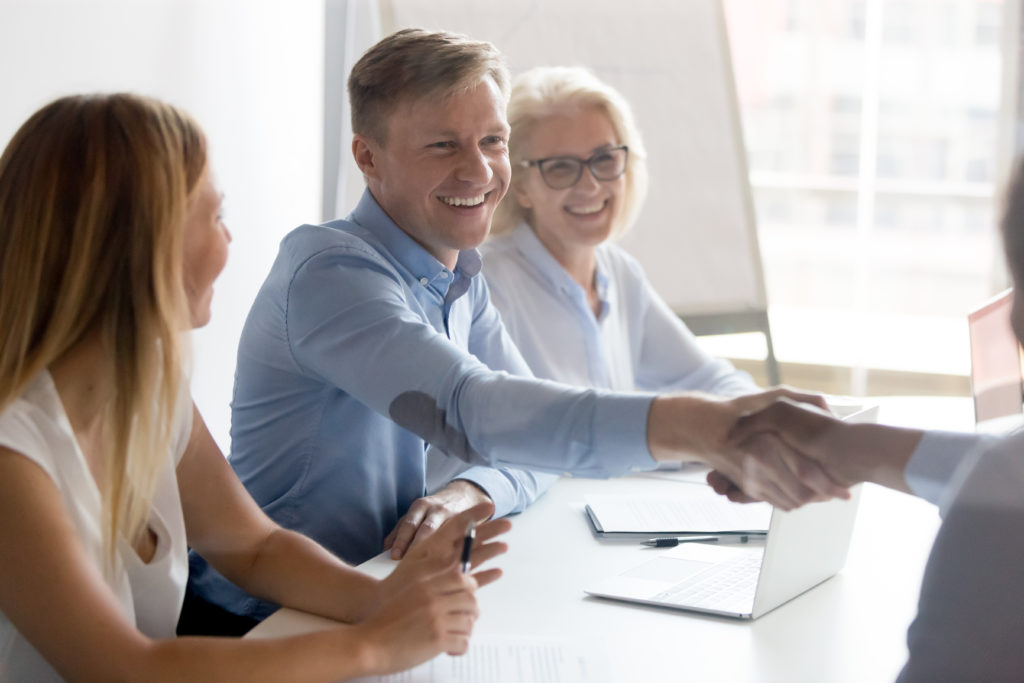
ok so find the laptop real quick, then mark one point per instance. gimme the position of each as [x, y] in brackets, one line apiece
[997, 384]
[804, 547]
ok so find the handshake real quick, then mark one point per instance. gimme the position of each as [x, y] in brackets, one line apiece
[781, 446]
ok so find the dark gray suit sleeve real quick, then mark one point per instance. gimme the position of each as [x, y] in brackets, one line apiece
[970, 621]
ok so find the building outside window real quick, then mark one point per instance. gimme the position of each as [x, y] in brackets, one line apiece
[871, 131]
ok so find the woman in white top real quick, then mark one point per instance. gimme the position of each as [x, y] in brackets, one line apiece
[110, 241]
[578, 307]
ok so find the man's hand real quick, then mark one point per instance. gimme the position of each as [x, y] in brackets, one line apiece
[427, 514]
[847, 453]
[442, 550]
[697, 426]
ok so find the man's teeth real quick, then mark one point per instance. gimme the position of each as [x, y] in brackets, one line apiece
[463, 201]
[585, 210]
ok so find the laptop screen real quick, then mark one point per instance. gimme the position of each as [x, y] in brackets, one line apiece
[995, 360]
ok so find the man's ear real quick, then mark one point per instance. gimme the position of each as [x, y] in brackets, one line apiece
[364, 151]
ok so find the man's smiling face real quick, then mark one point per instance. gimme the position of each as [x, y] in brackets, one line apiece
[443, 167]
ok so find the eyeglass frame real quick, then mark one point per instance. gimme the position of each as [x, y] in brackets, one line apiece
[589, 163]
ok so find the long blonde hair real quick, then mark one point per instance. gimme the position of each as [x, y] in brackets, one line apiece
[93, 193]
[547, 90]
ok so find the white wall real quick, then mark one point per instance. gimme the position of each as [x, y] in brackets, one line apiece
[251, 71]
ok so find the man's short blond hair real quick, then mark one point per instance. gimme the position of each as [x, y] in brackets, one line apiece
[544, 91]
[412, 64]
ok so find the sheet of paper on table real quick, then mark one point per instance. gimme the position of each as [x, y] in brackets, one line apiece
[509, 659]
[696, 510]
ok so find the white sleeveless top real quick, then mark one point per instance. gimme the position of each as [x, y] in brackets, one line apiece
[150, 594]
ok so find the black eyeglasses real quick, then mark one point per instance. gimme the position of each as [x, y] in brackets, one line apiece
[559, 173]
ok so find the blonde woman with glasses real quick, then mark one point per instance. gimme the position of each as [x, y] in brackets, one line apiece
[579, 308]
[110, 241]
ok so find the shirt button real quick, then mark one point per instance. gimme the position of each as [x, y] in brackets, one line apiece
[424, 281]
[443, 274]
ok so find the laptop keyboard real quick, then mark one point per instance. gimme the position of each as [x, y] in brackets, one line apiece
[727, 586]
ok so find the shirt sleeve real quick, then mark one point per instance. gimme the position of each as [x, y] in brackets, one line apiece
[22, 430]
[511, 489]
[935, 461]
[671, 359]
[969, 625]
[349, 323]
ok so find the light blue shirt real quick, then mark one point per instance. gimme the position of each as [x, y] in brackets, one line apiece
[941, 461]
[636, 342]
[359, 349]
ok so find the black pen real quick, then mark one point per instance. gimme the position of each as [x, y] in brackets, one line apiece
[673, 542]
[467, 546]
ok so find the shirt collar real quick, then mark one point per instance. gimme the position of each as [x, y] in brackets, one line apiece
[421, 265]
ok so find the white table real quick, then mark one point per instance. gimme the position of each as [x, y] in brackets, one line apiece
[850, 628]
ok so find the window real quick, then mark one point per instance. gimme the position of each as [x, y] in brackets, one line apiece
[871, 129]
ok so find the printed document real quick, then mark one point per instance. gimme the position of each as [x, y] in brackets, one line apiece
[697, 510]
[501, 659]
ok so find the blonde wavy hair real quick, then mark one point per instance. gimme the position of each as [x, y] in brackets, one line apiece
[544, 91]
[93, 195]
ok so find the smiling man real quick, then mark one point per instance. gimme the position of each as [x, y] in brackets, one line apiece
[441, 167]
[311, 439]
[374, 336]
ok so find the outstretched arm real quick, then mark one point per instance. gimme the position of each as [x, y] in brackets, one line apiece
[454, 402]
[700, 426]
[847, 453]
